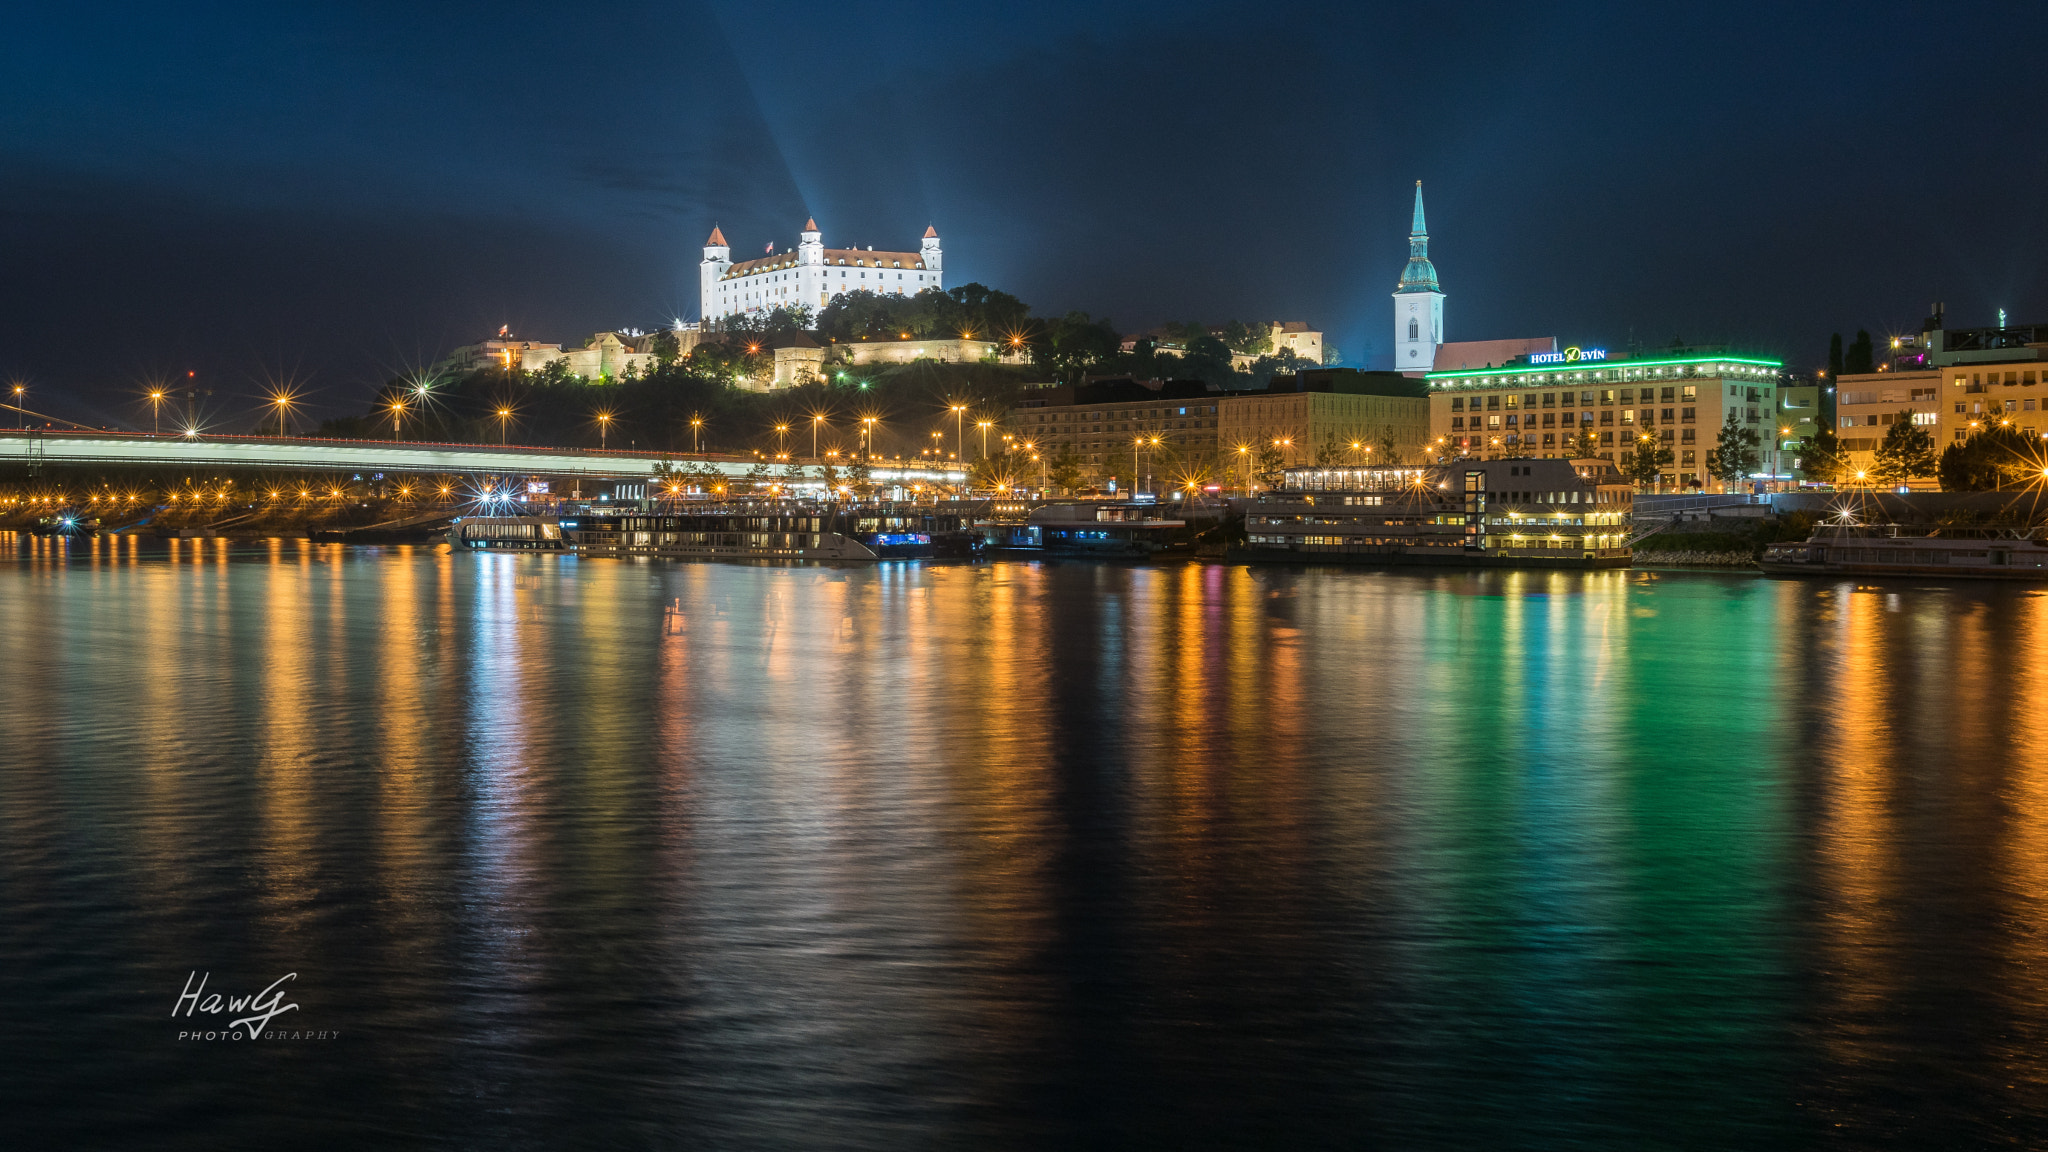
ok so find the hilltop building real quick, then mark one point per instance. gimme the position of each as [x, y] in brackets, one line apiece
[605, 356]
[811, 274]
[1282, 335]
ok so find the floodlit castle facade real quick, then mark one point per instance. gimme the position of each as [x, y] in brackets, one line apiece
[811, 274]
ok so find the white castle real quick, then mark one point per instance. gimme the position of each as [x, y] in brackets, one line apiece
[811, 274]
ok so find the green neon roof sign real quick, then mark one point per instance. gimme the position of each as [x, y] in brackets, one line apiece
[1598, 366]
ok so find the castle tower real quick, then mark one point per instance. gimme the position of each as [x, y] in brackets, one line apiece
[1418, 303]
[928, 250]
[810, 249]
[717, 258]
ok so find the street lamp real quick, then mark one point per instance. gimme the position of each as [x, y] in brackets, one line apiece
[696, 424]
[283, 404]
[156, 412]
[983, 425]
[397, 410]
[817, 421]
[604, 426]
[20, 417]
[959, 430]
[504, 426]
[781, 438]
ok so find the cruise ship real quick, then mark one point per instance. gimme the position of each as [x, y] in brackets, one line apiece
[1108, 529]
[1983, 553]
[1489, 513]
[780, 531]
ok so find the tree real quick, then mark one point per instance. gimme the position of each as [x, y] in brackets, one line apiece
[1074, 344]
[1271, 461]
[1208, 360]
[1997, 457]
[759, 476]
[1835, 356]
[1860, 360]
[1586, 444]
[1820, 456]
[1250, 339]
[1065, 469]
[1329, 453]
[1001, 470]
[1647, 462]
[861, 477]
[1735, 452]
[1389, 447]
[1907, 451]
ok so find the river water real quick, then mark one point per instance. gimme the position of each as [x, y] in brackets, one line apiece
[1022, 855]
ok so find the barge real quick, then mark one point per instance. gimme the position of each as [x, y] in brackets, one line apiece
[1469, 513]
[1886, 550]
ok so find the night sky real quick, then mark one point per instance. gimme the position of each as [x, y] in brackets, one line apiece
[342, 191]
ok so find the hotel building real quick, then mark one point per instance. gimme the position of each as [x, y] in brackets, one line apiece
[1535, 408]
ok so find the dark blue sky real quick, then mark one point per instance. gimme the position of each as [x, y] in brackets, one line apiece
[338, 191]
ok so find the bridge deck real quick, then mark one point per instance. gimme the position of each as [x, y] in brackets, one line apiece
[118, 448]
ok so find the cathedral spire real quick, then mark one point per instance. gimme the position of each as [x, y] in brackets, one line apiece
[1420, 275]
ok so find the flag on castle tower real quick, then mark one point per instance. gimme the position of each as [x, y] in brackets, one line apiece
[770, 249]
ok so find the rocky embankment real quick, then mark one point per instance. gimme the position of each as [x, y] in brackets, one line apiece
[1666, 558]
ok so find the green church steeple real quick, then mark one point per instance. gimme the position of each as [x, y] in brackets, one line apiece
[1420, 275]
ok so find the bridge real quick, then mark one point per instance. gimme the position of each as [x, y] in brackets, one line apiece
[41, 449]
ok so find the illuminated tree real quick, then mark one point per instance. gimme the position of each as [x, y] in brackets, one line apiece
[1907, 451]
[1735, 453]
[1820, 456]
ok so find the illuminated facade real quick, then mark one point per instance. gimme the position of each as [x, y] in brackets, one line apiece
[1535, 410]
[811, 274]
[1117, 428]
[1866, 406]
[1418, 302]
[1307, 422]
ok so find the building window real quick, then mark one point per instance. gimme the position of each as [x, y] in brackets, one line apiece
[1414, 330]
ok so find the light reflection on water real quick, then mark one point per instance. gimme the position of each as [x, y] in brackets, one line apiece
[1018, 855]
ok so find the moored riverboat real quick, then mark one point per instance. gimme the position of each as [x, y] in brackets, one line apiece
[66, 524]
[508, 533]
[778, 531]
[1975, 553]
[1468, 513]
[1107, 529]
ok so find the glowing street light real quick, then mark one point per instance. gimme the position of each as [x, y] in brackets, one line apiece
[397, 411]
[817, 421]
[504, 425]
[696, 425]
[604, 426]
[959, 429]
[984, 426]
[156, 412]
[282, 401]
[781, 436]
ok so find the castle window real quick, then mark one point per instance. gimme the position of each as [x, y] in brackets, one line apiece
[1414, 332]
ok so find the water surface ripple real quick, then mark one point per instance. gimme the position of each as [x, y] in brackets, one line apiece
[655, 855]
